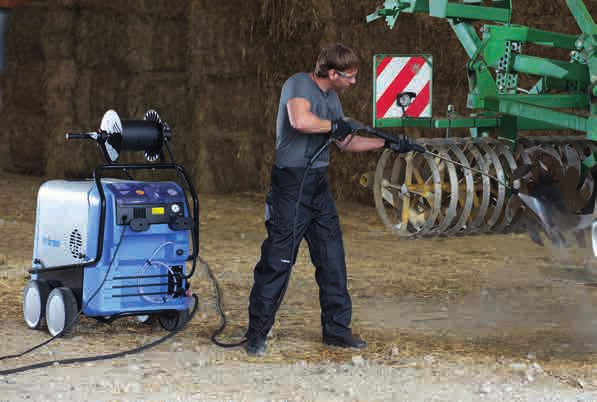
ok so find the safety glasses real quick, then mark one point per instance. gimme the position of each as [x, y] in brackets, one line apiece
[345, 75]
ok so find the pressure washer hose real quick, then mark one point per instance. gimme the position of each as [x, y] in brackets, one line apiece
[416, 147]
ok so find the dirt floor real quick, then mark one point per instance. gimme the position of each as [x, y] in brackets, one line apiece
[470, 318]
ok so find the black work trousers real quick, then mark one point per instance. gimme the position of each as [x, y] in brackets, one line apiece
[317, 222]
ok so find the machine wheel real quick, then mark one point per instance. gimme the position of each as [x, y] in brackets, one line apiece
[173, 320]
[35, 296]
[61, 310]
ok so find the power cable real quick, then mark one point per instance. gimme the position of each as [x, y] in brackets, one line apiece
[96, 357]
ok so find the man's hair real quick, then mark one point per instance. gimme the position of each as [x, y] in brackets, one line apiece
[335, 57]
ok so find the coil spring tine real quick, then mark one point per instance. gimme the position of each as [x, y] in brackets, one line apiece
[436, 200]
[508, 164]
[475, 220]
[497, 203]
[449, 211]
[467, 206]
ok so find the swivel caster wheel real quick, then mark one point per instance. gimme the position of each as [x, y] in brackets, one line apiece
[61, 310]
[172, 320]
[35, 296]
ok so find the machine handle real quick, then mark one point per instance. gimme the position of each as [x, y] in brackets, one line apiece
[81, 136]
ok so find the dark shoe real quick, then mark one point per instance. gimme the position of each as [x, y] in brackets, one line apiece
[255, 346]
[345, 341]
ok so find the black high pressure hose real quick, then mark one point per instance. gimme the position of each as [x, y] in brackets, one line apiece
[415, 147]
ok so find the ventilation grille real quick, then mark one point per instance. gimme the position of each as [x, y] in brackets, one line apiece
[139, 213]
[75, 245]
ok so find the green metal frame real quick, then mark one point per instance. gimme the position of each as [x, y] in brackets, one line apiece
[496, 59]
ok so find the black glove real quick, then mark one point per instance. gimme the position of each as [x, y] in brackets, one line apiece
[403, 144]
[340, 129]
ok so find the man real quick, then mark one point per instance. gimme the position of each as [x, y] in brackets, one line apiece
[309, 113]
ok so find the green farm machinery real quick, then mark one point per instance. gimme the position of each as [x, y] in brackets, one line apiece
[501, 180]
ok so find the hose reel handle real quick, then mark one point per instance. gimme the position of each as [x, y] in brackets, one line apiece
[81, 136]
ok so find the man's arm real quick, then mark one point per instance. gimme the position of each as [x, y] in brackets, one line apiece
[302, 119]
[356, 143]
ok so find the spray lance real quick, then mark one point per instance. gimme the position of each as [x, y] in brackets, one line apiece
[536, 205]
[358, 126]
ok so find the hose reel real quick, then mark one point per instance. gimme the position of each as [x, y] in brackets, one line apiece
[115, 136]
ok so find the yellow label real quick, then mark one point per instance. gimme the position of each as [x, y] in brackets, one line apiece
[157, 210]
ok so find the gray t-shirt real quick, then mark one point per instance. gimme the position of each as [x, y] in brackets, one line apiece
[294, 148]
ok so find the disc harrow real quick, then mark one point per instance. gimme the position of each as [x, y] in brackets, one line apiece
[419, 195]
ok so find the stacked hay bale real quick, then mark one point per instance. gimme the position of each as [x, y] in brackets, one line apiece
[226, 53]
[70, 61]
[213, 70]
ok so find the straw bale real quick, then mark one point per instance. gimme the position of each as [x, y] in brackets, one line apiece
[224, 39]
[106, 40]
[356, 12]
[214, 72]
[13, 3]
[157, 8]
[291, 19]
[81, 95]
[57, 46]
[168, 94]
[27, 140]
[231, 7]
[27, 86]
[95, 33]
[227, 162]
[169, 45]
[222, 46]
[56, 38]
[23, 38]
[61, 77]
[537, 10]
[227, 117]
[229, 103]
[107, 91]
[133, 51]
[58, 21]
[93, 94]
[62, 81]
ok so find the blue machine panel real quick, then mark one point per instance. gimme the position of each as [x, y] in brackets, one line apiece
[146, 268]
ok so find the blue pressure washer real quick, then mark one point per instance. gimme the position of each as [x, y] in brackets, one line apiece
[108, 247]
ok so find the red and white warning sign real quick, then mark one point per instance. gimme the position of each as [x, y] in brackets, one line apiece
[402, 86]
